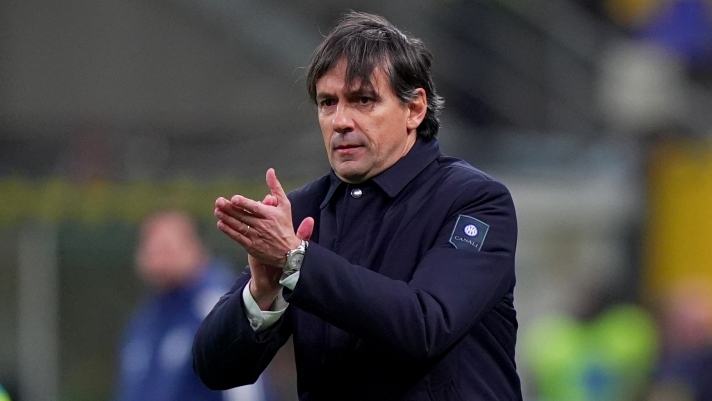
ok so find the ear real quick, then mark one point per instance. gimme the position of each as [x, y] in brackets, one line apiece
[417, 109]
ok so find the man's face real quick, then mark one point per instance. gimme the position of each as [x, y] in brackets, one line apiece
[366, 129]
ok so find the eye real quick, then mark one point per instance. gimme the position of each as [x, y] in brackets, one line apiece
[365, 100]
[327, 103]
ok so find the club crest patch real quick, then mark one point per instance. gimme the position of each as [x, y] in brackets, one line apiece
[469, 233]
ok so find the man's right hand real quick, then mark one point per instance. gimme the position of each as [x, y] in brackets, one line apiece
[264, 286]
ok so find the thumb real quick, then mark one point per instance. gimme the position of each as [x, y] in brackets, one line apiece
[306, 228]
[276, 187]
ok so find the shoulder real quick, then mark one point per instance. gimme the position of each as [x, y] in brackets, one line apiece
[473, 197]
[465, 181]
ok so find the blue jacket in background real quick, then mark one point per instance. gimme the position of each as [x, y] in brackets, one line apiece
[155, 358]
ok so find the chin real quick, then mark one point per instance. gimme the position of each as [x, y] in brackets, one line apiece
[348, 170]
[350, 176]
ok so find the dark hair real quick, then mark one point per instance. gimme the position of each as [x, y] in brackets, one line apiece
[368, 41]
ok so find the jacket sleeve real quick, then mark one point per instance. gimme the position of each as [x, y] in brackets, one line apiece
[450, 290]
[227, 352]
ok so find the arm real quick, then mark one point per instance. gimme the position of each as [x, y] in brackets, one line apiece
[449, 293]
[227, 352]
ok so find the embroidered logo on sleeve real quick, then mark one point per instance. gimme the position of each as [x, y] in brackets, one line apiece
[469, 233]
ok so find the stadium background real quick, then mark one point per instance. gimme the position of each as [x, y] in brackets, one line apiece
[596, 114]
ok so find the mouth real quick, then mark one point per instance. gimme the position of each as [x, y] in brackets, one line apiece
[347, 149]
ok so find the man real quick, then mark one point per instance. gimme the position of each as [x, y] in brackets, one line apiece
[155, 355]
[398, 282]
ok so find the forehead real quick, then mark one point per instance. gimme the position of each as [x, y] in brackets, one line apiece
[167, 226]
[336, 79]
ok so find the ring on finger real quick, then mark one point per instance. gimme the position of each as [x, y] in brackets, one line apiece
[246, 231]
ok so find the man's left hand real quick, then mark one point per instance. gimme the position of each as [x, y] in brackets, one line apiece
[265, 232]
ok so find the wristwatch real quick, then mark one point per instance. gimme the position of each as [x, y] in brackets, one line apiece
[295, 257]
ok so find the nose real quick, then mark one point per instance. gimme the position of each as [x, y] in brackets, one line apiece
[342, 121]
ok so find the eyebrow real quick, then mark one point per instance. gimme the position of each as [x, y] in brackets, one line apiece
[363, 90]
[324, 95]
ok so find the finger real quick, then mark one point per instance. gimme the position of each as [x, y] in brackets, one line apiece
[234, 234]
[222, 203]
[306, 228]
[227, 207]
[252, 207]
[276, 187]
[270, 200]
[240, 215]
[245, 229]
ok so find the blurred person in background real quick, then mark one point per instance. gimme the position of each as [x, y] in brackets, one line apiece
[4, 396]
[155, 363]
[609, 356]
[685, 366]
[681, 27]
[398, 283]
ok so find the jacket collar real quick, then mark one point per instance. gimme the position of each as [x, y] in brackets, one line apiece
[396, 177]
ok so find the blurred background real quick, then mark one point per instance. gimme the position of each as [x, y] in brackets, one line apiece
[597, 114]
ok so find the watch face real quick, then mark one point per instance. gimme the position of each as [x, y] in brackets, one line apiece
[294, 259]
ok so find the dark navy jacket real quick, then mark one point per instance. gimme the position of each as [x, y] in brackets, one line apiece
[405, 292]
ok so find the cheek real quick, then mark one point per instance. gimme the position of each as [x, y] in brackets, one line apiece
[327, 141]
[325, 131]
[387, 135]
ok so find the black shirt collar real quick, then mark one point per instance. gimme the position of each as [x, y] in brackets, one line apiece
[396, 177]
